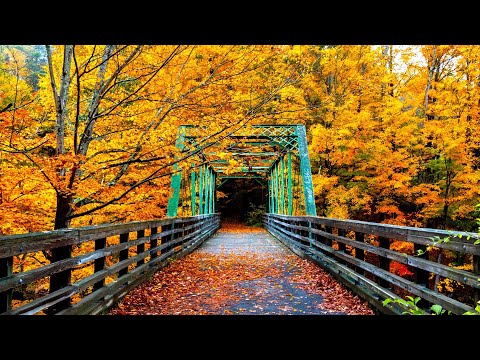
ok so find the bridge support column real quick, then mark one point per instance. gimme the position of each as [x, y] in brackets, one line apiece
[305, 170]
[193, 195]
[281, 210]
[289, 184]
[200, 190]
[172, 207]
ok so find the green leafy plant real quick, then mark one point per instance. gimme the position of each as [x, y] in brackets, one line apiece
[412, 308]
[254, 215]
[476, 312]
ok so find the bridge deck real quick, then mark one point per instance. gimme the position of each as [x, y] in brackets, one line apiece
[244, 273]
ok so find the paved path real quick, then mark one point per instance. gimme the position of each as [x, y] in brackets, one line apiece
[272, 294]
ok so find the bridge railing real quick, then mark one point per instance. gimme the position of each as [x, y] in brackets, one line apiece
[100, 263]
[360, 255]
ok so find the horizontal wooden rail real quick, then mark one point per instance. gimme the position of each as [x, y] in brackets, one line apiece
[105, 262]
[359, 254]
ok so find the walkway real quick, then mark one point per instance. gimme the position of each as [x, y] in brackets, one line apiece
[241, 273]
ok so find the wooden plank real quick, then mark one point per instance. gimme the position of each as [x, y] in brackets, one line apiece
[6, 268]
[417, 289]
[461, 276]
[416, 235]
[99, 264]
[453, 305]
[87, 305]
[66, 292]
[44, 302]
[112, 287]
[27, 277]
[12, 245]
[287, 235]
[358, 284]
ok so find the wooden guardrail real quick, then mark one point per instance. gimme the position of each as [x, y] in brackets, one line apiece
[100, 263]
[359, 254]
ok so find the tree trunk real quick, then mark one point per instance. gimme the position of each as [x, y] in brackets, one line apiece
[63, 209]
[63, 278]
[61, 97]
[431, 71]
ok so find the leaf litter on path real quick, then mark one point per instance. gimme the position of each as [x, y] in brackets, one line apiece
[267, 282]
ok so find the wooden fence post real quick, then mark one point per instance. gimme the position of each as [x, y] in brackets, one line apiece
[140, 247]
[384, 262]
[360, 253]
[99, 264]
[341, 246]
[476, 270]
[166, 238]
[61, 279]
[328, 241]
[420, 275]
[123, 255]
[153, 243]
[6, 268]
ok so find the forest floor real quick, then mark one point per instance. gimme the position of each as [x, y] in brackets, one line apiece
[241, 270]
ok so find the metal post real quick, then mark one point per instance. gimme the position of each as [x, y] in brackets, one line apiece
[305, 170]
[268, 196]
[172, 207]
[193, 191]
[275, 188]
[282, 187]
[289, 184]
[200, 191]
[207, 183]
[214, 190]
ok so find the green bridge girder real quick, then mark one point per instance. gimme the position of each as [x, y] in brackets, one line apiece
[274, 155]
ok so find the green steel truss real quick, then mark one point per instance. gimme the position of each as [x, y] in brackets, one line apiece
[273, 155]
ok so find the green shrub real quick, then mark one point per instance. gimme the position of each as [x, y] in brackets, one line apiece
[254, 215]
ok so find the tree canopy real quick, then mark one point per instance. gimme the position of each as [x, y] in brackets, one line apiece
[87, 132]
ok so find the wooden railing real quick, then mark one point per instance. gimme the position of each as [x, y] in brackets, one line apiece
[360, 255]
[100, 263]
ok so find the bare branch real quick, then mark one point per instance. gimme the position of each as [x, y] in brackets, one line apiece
[6, 108]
